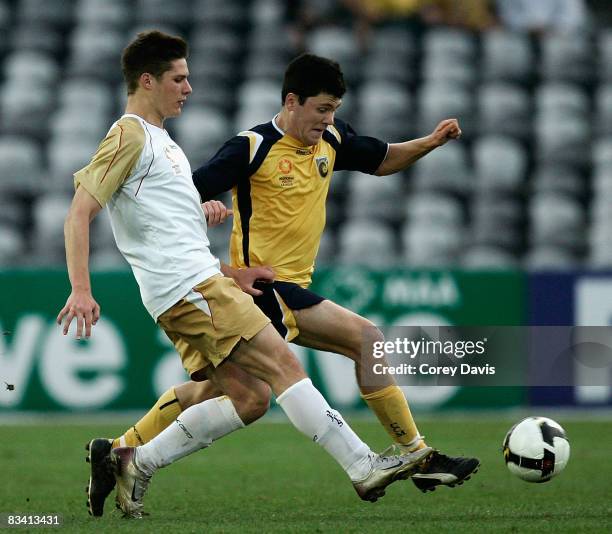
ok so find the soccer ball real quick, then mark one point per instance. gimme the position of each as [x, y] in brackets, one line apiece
[536, 449]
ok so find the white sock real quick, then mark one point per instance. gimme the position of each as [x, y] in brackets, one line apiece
[195, 428]
[310, 414]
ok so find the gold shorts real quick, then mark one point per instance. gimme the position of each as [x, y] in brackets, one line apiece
[208, 323]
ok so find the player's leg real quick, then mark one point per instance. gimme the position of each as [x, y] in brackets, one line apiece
[330, 327]
[254, 395]
[212, 320]
[269, 358]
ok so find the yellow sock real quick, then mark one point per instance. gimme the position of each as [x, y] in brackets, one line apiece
[165, 411]
[390, 406]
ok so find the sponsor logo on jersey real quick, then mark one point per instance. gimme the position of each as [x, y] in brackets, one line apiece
[322, 166]
[285, 166]
[172, 152]
[286, 181]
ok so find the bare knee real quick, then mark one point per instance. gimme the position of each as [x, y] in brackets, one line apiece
[252, 402]
[360, 347]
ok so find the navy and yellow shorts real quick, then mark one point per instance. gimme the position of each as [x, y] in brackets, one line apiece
[278, 301]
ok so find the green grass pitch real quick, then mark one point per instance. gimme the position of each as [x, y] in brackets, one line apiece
[269, 478]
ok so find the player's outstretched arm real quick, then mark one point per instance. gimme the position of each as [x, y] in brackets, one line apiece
[80, 304]
[401, 155]
[245, 278]
[215, 212]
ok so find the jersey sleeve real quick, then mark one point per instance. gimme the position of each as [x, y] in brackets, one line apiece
[357, 152]
[113, 162]
[225, 169]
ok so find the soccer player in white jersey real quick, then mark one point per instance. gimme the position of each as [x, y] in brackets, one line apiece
[143, 178]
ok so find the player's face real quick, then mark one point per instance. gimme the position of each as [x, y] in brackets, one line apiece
[172, 89]
[309, 120]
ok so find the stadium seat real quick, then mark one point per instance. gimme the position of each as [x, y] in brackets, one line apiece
[603, 109]
[107, 13]
[86, 95]
[328, 251]
[31, 67]
[48, 230]
[496, 221]
[366, 242]
[271, 69]
[201, 132]
[481, 257]
[101, 231]
[434, 208]
[34, 11]
[447, 70]
[374, 197]
[36, 37]
[12, 211]
[445, 170]
[338, 43]
[66, 155]
[561, 139]
[152, 12]
[21, 165]
[504, 109]
[600, 236]
[500, 163]
[558, 98]
[567, 57]
[394, 41]
[25, 108]
[449, 42]
[263, 40]
[384, 109]
[382, 66]
[556, 220]
[507, 56]
[438, 101]
[94, 49]
[68, 122]
[550, 258]
[267, 13]
[212, 43]
[432, 245]
[604, 42]
[558, 178]
[12, 246]
[220, 13]
[601, 152]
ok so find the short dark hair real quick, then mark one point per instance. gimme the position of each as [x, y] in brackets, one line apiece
[151, 52]
[309, 75]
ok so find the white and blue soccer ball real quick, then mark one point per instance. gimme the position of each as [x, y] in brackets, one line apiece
[536, 449]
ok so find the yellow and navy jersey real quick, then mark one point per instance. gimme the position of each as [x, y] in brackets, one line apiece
[279, 188]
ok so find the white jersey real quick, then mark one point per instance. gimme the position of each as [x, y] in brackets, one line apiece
[144, 179]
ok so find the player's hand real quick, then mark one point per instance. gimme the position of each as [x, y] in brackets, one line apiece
[215, 212]
[245, 278]
[82, 307]
[446, 130]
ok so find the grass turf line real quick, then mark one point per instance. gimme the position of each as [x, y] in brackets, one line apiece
[270, 478]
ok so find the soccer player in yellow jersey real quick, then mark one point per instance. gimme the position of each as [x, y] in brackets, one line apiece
[279, 174]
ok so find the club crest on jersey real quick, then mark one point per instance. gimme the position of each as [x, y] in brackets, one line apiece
[285, 166]
[322, 166]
